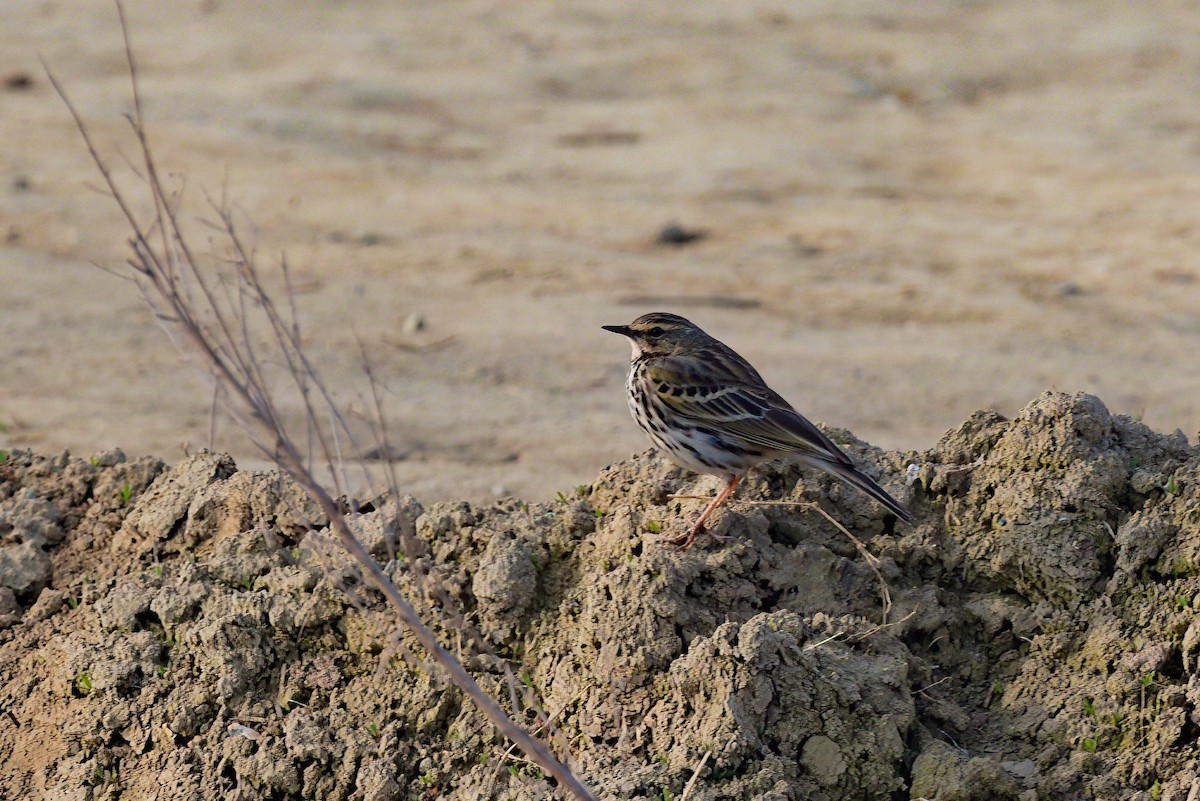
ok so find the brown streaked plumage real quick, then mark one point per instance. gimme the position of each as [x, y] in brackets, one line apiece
[708, 410]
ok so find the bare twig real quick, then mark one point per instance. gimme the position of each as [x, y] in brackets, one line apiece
[837, 635]
[931, 686]
[871, 559]
[211, 323]
[882, 626]
[687, 789]
[543, 721]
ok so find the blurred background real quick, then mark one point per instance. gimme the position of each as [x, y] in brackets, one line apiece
[899, 213]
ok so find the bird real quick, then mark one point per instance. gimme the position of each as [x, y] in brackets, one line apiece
[709, 411]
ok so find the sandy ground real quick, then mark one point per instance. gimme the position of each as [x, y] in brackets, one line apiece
[910, 212]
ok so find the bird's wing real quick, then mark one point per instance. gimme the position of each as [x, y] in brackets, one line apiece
[746, 410]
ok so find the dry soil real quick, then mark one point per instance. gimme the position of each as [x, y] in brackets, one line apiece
[910, 211]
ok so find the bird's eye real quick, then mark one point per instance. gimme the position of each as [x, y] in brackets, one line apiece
[656, 331]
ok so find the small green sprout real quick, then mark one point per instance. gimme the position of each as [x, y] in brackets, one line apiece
[1089, 707]
[561, 498]
[373, 730]
[1089, 744]
[84, 682]
[1147, 680]
[1171, 488]
[1155, 791]
[162, 671]
[599, 513]
[106, 776]
[73, 602]
[667, 795]
[126, 494]
[428, 779]
[3, 457]
[557, 551]
[247, 584]
[514, 771]
[1182, 602]
[528, 682]
[653, 526]
[94, 461]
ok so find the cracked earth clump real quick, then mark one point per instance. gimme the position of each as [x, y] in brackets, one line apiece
[191, 631]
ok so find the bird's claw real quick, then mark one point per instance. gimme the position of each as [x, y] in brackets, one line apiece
[684, 541]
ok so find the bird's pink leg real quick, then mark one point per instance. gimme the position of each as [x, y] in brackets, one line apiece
[685, 541]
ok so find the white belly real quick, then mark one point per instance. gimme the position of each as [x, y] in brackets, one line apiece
[693, 450]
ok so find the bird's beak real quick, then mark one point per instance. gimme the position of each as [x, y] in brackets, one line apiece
[623, 330]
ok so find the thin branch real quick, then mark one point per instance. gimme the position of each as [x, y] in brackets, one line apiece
[687, 789]
[216, 332]
[871, 559]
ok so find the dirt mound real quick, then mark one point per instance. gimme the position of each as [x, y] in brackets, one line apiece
[167, 632]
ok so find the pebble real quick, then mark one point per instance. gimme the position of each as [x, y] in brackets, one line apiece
[413, 324]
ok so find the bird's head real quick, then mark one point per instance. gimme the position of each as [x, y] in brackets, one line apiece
[661, 334]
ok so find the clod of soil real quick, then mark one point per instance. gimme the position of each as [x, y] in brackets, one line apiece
[188, 632]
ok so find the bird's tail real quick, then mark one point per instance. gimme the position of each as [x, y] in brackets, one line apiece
[856, 478]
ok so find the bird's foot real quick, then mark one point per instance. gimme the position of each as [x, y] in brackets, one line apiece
[722, 538]
[685, 540]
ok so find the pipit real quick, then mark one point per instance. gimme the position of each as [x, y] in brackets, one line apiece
[709, 411]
